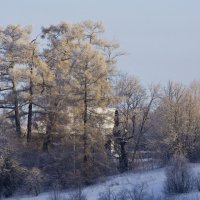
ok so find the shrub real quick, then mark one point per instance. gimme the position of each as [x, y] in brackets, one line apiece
[178, 176]
[197, 181]
[74, 195]
[77, 195]
[56, 195]
[34, 181]
[11, 176]
[107, 195]
[138, 192]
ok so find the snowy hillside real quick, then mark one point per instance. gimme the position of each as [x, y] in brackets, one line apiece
[152, 182]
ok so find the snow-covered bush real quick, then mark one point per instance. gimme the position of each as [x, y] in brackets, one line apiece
[34, 181]
[179, 178]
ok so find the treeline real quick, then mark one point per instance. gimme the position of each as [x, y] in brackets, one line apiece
[67, 117]
[163, 122]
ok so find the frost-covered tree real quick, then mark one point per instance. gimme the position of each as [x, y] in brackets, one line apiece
[82, 63]
[176, 120]
[14, 56]
[135, 105]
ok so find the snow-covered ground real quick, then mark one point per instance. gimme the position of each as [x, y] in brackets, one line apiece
[152, 181]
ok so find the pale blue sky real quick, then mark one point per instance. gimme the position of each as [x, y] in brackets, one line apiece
[161, 37]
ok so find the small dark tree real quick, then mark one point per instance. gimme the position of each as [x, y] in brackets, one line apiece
[120, 141]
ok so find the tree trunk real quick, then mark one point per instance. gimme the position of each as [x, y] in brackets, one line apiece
[85, 118]
[30, 110]
[123, 162]
[29, 125]
[16, 110]
[85, 137]
[120, 140]
[47, 137]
